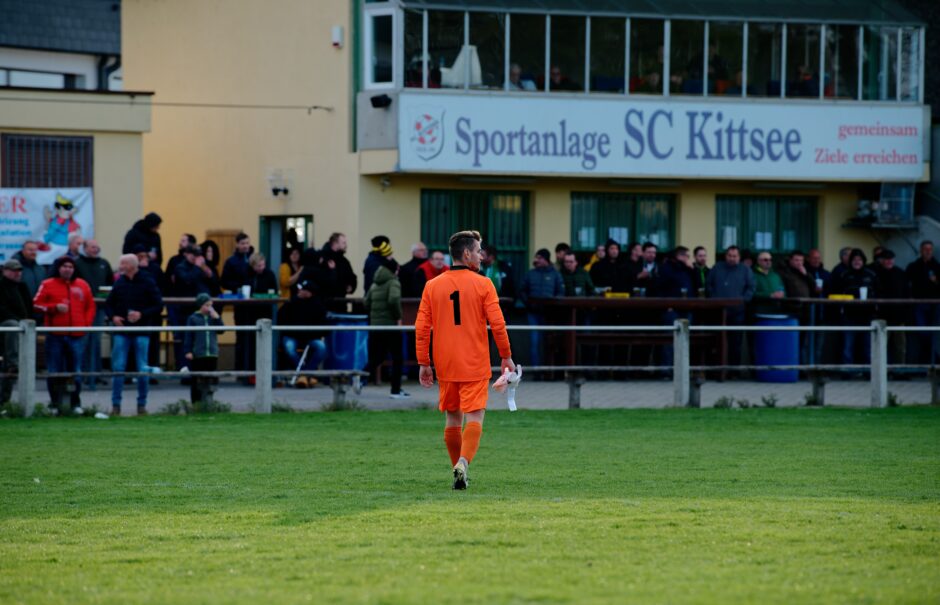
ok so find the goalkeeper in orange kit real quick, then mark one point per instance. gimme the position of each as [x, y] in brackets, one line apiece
[457, 305]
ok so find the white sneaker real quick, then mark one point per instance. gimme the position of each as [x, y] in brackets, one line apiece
[154, 370]
[78, 411]
[400, 395]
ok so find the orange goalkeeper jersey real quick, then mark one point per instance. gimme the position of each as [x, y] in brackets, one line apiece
[457, 305]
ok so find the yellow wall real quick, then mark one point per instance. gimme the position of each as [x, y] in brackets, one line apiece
[206, 168]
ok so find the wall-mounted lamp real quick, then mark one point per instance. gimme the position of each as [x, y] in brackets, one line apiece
[280, 183]
[385, 182]
[380, 101]
[337, 34]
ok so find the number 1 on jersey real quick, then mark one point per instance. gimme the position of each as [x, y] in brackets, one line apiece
[455, 296]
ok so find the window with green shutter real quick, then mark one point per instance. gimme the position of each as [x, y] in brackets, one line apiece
[774, 223]
[624, 217]
[501, 217]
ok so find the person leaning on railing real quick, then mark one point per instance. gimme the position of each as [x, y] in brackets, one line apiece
[859, 282]
[924, 275]
[135, 300]
[65, 300]
[15, 305]
[730, 278]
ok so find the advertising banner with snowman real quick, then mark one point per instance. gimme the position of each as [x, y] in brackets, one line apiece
[47, 216]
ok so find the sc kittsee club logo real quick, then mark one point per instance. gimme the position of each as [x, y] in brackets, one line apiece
[427, 132]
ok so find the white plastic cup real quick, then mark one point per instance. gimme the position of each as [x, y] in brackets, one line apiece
[863, 293]
[246, 291]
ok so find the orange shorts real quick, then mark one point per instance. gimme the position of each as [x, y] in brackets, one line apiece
[463, 396]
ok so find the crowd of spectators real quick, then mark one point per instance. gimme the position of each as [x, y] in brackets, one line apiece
[82, 289]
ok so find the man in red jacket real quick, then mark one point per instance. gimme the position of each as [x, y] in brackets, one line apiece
[65, 301]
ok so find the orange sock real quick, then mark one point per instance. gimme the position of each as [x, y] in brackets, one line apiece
[452, 439]
[471, 440]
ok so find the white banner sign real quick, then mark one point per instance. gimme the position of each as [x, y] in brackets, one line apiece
[47, 216]
[659, 137]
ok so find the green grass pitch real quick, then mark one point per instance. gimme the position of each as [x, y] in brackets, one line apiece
[667, 506]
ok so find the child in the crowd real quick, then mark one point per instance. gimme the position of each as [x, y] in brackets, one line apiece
[202, 348]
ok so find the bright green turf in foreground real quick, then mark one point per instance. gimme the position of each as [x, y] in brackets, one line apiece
[695, 506]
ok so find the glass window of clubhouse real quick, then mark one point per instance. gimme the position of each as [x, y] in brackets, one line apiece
[853, 50]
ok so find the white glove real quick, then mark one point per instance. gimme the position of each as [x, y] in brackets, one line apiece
[509, 381]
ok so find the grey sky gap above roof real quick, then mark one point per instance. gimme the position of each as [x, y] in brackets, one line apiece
[76, 26]
[884, 12]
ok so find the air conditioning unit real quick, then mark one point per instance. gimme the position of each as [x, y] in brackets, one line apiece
[896, 206]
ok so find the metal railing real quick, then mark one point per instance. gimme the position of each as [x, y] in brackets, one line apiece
[685, 388]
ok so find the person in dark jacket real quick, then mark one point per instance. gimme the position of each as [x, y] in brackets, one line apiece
[893, 284]
[235, 274]
[210, 250]
[15, 305]
[187, 240]
[843, 262]
[346, 280]
[406, 274]
[146, 233]
[861, 283]
[191, 277]
[305, 308]
[97, 272]
[924, 277]
[235, 271]
[610, 271]
[497, 271]
[381, 249]
[700, 271]
[730, 278]
[577, 281]
[542, 281]
[201, 349]
[33, 272]
[821, 278]
[383, 303]
[648, 278]
[134, 300]
[676, 277]
[798, 282]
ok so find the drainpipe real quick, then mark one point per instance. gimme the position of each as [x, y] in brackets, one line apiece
[105, 71]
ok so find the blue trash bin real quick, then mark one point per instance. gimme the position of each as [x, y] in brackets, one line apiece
[777, 348]
[348, 350]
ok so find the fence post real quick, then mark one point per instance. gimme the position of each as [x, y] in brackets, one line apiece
[879, 363]
[575, 381]
[26, 379]
[263, 367]
[680, 362]
[934, 377]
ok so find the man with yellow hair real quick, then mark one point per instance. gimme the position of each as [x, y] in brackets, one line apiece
[457, 305]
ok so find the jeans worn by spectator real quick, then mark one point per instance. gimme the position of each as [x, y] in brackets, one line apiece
[381, 346]
[294, 350]
[11, 359]
[201, 386]
[121, 344]
[91, 359]
[535, 338]
[849, 340]
[64, 354]
[927, 344]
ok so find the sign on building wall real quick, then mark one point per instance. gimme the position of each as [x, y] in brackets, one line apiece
[661, 137]
[47, 216]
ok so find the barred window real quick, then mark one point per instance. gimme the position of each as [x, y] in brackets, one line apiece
[623, 217]
[773, 223]
[45, 161]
